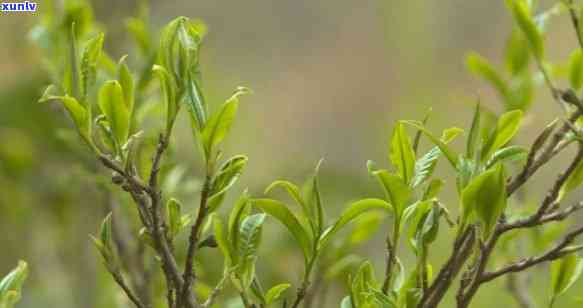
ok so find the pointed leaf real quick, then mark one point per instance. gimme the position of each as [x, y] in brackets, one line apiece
[451, 155]
[353, 211]
[274, 293]
[111, 102]
[280, 212]
[524, 20]
[220, 123]
[506, 127]
[479, 66]
[402, 154]
[397, 192]
[564, 272]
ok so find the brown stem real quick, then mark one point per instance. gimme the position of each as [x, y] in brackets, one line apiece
[193, 240]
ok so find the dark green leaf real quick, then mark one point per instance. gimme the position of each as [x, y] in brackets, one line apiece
[474, 136]
[89, 61]
[174, 212]
[225, 178]
[168, 87]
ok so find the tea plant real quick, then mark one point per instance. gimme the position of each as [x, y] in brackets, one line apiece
[110, 105]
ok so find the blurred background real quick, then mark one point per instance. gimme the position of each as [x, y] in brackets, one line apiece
[329, 80]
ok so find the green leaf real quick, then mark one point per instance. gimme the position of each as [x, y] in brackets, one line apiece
[474, 136]
[525, 22]
[222, 240]
[353, 211]
[397, 192]
[105, 234]
[576, 69]
[341, 266]
[279, 211]
[274, 293]
[76, 111]
[517, 53]
[564, 272]
[506, 127]
[364, 227]
[220, 123]
[239, 212]
[89, 61]
[363, 281]
[14, 280]
[291, 189]
[486, 197]
[197, 106]
[432, 189]
[573, 181]
[126, 81]
[313, 201]
[168, 88]
[511, 153]
[402, 154]
[480, 67]
[249, 238]
[225, 178]
[168, 50]
[111, 102]
[174, 217]
[451, 155]
[425, 165]
[346, 303]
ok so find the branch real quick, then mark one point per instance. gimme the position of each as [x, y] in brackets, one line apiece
[554, 253]
[130, 294]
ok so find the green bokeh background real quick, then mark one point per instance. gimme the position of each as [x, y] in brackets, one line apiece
[329, 80]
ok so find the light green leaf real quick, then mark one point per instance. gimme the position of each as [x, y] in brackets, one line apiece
[279, 211]
[402, 154]
[111, 102]
[451, 155]
[14, 280]
[353, 211]
[425, 165]
[364, 227]
[220, 122]
[564, 272]
[11, 285]
[77, 112]
[479, 66]
[291, 189]
[126, 81]
[573, 181]
[474, 136]
[239, 212]
[168, 88]
[517, 53]
[485, 196]
[433, 189]
[576, 69]
[511, 153]
[225, 178]
[313, 200]
[341, 266]
[525, 22]
[397, 192]
[249, 238]
[274, 293]
[105, 233]
[222, 240]
[89, 61]
[197, 106]
[174, 218]
[506, 127]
